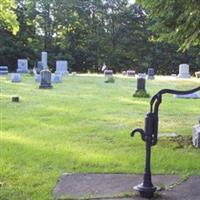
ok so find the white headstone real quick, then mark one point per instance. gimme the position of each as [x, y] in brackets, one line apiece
[15, 77]
[184, 71]
[44, 60]
[61, 67]
[22, 65]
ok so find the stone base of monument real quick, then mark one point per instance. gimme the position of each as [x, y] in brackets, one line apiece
[22, 71]
[196, 136]
[141, 94]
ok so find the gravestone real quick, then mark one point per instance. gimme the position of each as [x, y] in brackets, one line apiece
[109, 76]
[61, 67]
[45, 82]
[22, 66]
[15, 77]
[184, 71]
[56, 78]
[44, 60]
[150, 73]
[141, 90]
[196, 135]
[130, 73]
[3, 70]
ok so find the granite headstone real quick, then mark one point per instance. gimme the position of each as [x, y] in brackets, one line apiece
[45, 82]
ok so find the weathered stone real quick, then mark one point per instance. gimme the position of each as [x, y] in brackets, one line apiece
[141, 91]
[109, 76]
[184, 71]
[61, 67]
[22, 66]
[151, 73]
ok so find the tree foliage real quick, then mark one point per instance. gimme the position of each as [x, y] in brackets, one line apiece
[175, 21]
[88, 33]
[8, 18]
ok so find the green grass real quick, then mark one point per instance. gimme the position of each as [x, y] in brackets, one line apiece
[84, 125]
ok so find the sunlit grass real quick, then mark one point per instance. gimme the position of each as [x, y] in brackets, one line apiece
[84, 125]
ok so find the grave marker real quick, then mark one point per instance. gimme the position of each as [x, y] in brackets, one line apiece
[22, 66]
[45, 82]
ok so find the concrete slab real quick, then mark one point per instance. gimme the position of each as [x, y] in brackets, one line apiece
[105, 186]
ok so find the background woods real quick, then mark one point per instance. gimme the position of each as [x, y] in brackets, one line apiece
[90, 32]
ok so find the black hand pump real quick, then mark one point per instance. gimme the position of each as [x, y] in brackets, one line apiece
[150, 135]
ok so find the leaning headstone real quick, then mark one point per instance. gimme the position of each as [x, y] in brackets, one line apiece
[15, 77]
[184, 71]
[109, 76]
[3, 70]
[22, 66]
[44, 60]
[56, 78]
[61, 67]
[45, 82]
[141, 90]
[150, 73]
[130, 73]
[196, 135]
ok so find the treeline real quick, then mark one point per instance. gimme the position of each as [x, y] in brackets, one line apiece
[88, 33]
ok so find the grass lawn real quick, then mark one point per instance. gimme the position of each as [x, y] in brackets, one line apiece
[84, 125]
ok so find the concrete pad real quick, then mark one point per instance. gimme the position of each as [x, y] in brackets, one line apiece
[105, 186]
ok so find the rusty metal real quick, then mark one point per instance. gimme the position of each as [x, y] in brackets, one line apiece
[150, 136]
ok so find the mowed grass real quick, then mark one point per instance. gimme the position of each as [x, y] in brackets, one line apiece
[84, 125]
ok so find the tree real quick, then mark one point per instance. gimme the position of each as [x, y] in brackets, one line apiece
[175, 21]
[8, 19]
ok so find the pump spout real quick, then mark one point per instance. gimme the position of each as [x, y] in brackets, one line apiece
[139, 130]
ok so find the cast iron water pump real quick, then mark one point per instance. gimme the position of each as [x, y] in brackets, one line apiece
[150, 135]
